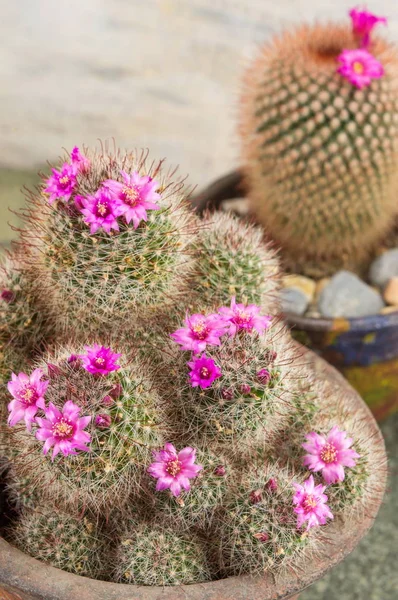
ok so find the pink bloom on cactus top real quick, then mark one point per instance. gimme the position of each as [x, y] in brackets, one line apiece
[240, 316]
[63, 430]
[28, 393]
[173, 469]
[359, 67]
[203, 371]
[200, 331]
[329, 454]
[310, 504]
[363, 23]
[61, 184]
[79, 161]
[136, 195]
[99, 360]
[100, 211]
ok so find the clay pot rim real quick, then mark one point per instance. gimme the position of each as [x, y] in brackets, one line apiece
[21, 573]
[231, 186]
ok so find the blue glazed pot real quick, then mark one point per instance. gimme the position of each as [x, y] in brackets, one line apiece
[365, 350]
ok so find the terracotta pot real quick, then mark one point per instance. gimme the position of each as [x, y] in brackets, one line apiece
[365, 350]
[24, 578]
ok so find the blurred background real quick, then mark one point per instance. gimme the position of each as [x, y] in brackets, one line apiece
[162, 74]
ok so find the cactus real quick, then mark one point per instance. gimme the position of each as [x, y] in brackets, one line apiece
[61, 540]
[214, 408]
[232, 259]
[319, 153]
[258, 531]
[97, 278]
[126, 419]
[157, 555]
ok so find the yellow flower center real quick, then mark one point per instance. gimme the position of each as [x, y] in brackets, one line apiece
[358, 67]
[204, 372]
[173, 467]
[200, 330]
[309, 503]
[131, 195]
[102, 209]
[62, 429]
[328, 453]
[64, 180]
[99, 361]
[28, 395]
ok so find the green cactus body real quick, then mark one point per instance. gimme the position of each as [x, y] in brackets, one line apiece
[258, 530]
[65, 542]
[241, 410]
[157, 555]
[320, 154]
[98, 279]
[233, 260]
[119, 451]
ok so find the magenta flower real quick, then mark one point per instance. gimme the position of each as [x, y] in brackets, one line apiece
[8, 296]
[203, 371]
[329, 454]
[359, 67]
[61, 184]
[101, 210]
[200, 331]
[28, 393]
[80, 162]
[240, 316]
[363, 23]
[99, 360]
[136, 195]
[310, 504]
[264, 376]
[63, 430]
[103, 421]
[174, 470]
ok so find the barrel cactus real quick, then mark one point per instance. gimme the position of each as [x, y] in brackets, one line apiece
[319, 129]
[160, 421]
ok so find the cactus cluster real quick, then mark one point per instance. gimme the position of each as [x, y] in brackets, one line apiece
[320, 151]
[159, 421]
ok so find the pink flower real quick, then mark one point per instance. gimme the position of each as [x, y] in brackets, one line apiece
[28, 393]
[99, 360]
[359, 67]
[363, 23]
[8, 296]
[81, 163]
[136, 195]
[103, 421]
[101, 210]
[311, 504]
[240, 316]
[199, 331]
[173, 471]
[63, 430]
[61, 184]
[329, 454]
[203, 371]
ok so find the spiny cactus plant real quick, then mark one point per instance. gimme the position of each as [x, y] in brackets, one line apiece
[157, 555]
[320, 150]
[170, 405]
[111, 405]
[232, 258]
[259, 530]
[107, 239]
[63, 541]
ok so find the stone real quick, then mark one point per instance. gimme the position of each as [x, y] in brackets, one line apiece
[391, 292]
[384, 268]
[348, 296]
[293, 301]
[299, 282]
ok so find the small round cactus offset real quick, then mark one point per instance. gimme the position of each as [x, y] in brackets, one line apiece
[65, 542]
[319, 128]
[169, 408]
[157, 555]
